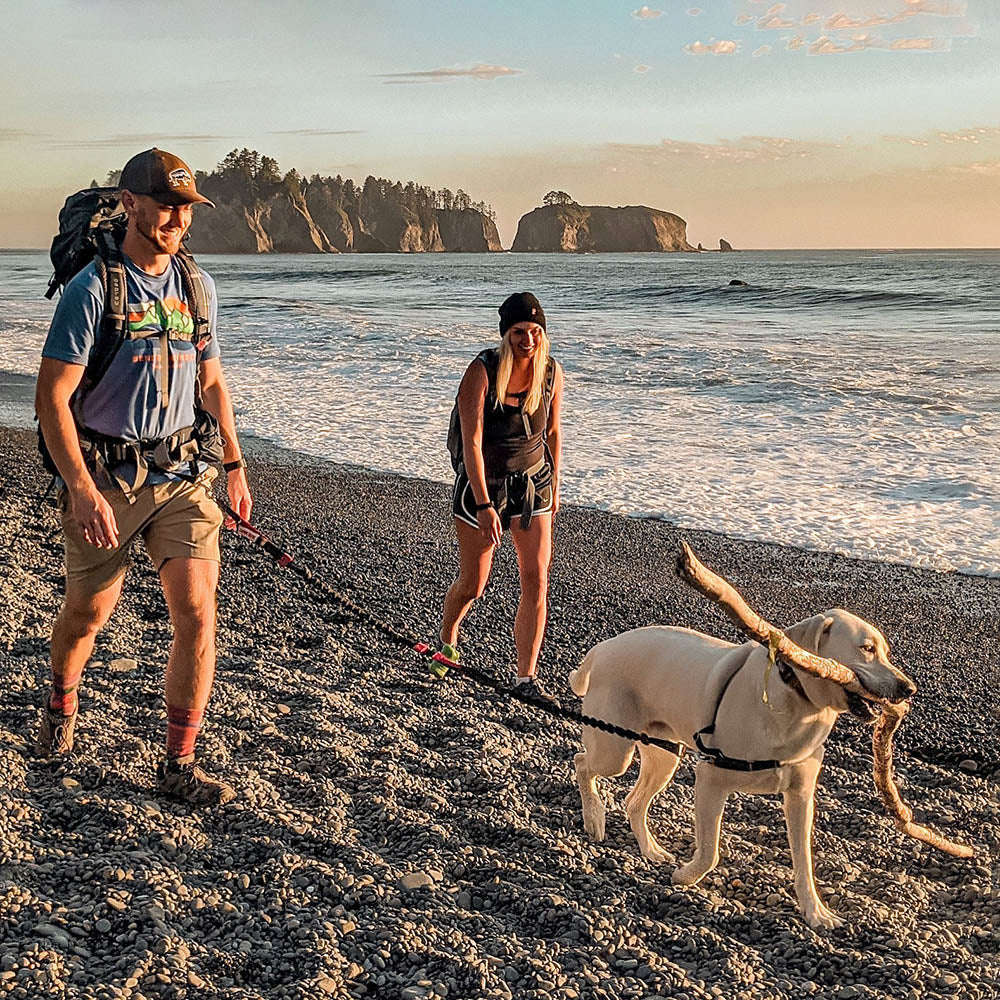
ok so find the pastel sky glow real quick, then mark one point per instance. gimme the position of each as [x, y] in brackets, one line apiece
[807, 123]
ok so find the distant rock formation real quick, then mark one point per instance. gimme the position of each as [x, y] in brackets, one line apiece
[260, 211]
[572, 228]
[465, 230]
[725, 247]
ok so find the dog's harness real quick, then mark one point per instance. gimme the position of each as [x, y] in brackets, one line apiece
[715, 756]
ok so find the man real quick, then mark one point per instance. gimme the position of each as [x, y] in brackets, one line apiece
[148, 393]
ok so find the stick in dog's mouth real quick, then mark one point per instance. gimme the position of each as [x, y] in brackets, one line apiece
[869, 707]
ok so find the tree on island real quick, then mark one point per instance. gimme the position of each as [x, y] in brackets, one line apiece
[246, 176]
[558, 198]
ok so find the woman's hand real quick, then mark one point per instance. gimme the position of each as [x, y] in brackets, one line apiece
[489, 524]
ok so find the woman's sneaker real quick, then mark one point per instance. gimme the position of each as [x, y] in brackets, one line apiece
[182, 779]
[531, 690]
[55, 733]
[449, 652]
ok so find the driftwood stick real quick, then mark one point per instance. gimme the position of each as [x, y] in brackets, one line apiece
[699, 576]
[901, 813]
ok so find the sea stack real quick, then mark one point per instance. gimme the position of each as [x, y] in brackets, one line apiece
[572, 228]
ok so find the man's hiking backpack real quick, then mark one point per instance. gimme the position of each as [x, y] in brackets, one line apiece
[491, 362]
[92, 224]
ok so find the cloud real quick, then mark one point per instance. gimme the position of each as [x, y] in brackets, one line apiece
[481, 71]
[641, 68]
[694, 11]
[906, 140]
[751, 148]
[763, 50]
[796, 42]
[713, 48]
[973, 136]
[646, 14]
[743, 19]
[16, 134]
[138, 139]
[319, 131]
[988, 168]
[825, 45]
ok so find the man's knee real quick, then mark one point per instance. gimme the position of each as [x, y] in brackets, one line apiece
[81, 621]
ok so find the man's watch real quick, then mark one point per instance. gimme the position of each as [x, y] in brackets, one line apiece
[233, 466]
[477, 507]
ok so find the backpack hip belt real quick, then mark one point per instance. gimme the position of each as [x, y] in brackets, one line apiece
[104, 455]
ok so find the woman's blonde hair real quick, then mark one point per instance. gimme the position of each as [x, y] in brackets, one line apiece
[539, 363]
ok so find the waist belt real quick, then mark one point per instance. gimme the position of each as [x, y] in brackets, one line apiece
[513, 483]
[106, 455]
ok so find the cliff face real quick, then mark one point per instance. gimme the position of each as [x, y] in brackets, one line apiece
[599, 229]
[290, 222]
[466, 231]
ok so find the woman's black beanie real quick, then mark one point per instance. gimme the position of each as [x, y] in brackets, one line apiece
[521, 307]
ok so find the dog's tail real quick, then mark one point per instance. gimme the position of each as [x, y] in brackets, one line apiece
[579, 679]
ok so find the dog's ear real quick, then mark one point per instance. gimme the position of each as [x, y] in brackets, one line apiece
[811, 632]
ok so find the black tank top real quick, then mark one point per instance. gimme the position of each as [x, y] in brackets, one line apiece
[513, 441]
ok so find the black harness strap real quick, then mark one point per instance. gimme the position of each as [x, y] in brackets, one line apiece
[716, 757]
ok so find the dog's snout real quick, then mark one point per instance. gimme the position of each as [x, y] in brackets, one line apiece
[905, 688]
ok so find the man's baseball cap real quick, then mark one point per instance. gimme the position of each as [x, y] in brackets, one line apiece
[162, 176]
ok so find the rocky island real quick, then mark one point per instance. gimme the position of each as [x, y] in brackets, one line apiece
[560, 225]
[259, 210]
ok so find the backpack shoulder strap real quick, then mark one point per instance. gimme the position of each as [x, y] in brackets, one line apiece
[110, 268]
[196, 292]
[490, 359]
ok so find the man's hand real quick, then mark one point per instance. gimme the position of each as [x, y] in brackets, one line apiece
[489, 524]
[93, 515]
[239, 495]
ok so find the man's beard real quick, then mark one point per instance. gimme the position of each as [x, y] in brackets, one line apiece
[160, 243]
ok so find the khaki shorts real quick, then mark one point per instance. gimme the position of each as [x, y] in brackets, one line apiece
[176, 520]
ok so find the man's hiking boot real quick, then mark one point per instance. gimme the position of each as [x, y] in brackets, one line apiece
[55, 733]
[182, 779]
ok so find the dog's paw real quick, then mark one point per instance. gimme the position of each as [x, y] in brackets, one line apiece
[652, 851]
[656, 854]
[594, 825]
[820, 917]
[689, 874]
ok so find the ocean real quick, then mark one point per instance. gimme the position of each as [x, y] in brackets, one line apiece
[845, 401]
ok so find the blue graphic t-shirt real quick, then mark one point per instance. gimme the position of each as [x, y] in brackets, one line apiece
[127, 402]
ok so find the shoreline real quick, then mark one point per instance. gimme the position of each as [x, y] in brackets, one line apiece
[17, 411]
[357, 770]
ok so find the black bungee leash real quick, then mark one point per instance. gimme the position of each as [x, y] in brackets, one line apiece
[285, 560]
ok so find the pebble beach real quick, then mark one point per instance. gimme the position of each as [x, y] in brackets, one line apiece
[398, 836]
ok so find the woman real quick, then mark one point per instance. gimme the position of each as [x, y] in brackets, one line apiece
[508, 475]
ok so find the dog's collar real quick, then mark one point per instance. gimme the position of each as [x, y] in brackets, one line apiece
[791, 679]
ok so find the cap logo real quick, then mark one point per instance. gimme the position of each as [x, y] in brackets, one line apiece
[179, 178]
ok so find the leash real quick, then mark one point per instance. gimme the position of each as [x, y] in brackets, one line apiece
[285, 560]
[927, 754]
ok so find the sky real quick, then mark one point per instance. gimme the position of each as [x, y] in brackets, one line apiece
[803, 124]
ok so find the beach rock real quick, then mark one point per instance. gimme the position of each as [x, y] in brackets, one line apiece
[600, 229]
[725, 247]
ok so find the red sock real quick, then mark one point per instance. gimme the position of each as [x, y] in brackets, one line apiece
[182, 730]
[63, 699]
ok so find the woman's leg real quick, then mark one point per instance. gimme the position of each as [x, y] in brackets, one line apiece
[475, 555]
[534, 553]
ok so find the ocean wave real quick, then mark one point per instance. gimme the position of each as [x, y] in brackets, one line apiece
[798, 297]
